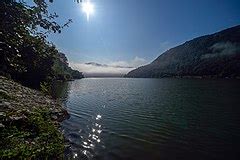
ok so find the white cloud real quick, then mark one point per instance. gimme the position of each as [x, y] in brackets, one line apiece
[136, 62]
[222, 49]
[119, 63]
[112, 68]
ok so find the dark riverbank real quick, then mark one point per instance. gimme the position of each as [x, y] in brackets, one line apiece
[29, 123]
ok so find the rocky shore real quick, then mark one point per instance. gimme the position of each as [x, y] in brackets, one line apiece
[29, 122]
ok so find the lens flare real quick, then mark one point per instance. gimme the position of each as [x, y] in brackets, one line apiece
[88, 8]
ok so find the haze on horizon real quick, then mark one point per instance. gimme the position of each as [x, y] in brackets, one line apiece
[118, 36]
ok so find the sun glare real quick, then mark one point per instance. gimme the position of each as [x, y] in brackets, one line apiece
[88, 8]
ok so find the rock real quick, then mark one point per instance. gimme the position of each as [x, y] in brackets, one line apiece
[54, 117]
[2, 114]
[17, 118]
[6, 103]
[20, 102]
[1, 125]
[5, 106]
[60, 115]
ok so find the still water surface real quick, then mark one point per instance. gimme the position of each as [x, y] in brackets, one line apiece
[117, 118]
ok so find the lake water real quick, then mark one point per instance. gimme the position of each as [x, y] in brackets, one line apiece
[117, 118]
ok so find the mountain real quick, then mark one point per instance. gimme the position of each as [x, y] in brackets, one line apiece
[216, 55]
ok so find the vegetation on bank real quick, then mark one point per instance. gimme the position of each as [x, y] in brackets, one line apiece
[63, 71]
[29, 122]
[32, 136]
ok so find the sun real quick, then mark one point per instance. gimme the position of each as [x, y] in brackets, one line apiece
[88, 8]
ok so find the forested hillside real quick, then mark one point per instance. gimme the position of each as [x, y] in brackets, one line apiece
[216, 55]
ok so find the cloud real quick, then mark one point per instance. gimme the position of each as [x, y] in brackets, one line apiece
[222, 49]
[117, 68]
[90, 69]
[136, 62]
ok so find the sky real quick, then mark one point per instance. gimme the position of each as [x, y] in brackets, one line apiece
[124, 34]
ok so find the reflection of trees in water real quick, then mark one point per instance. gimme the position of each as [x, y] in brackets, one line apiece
[60, 91]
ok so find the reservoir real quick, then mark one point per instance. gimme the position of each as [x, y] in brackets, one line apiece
[124, 118]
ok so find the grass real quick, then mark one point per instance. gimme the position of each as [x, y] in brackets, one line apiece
[33, 136]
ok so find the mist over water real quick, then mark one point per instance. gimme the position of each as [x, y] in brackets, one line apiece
[117, 118]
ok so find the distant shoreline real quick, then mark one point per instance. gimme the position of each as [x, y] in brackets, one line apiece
[189, 77]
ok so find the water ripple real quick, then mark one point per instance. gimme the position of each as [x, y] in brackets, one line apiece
[152, 119]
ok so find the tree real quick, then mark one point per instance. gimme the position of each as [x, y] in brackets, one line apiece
[26, 54]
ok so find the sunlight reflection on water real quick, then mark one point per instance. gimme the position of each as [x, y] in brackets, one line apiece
[152, 119]
[98, 117]
[89, 141]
